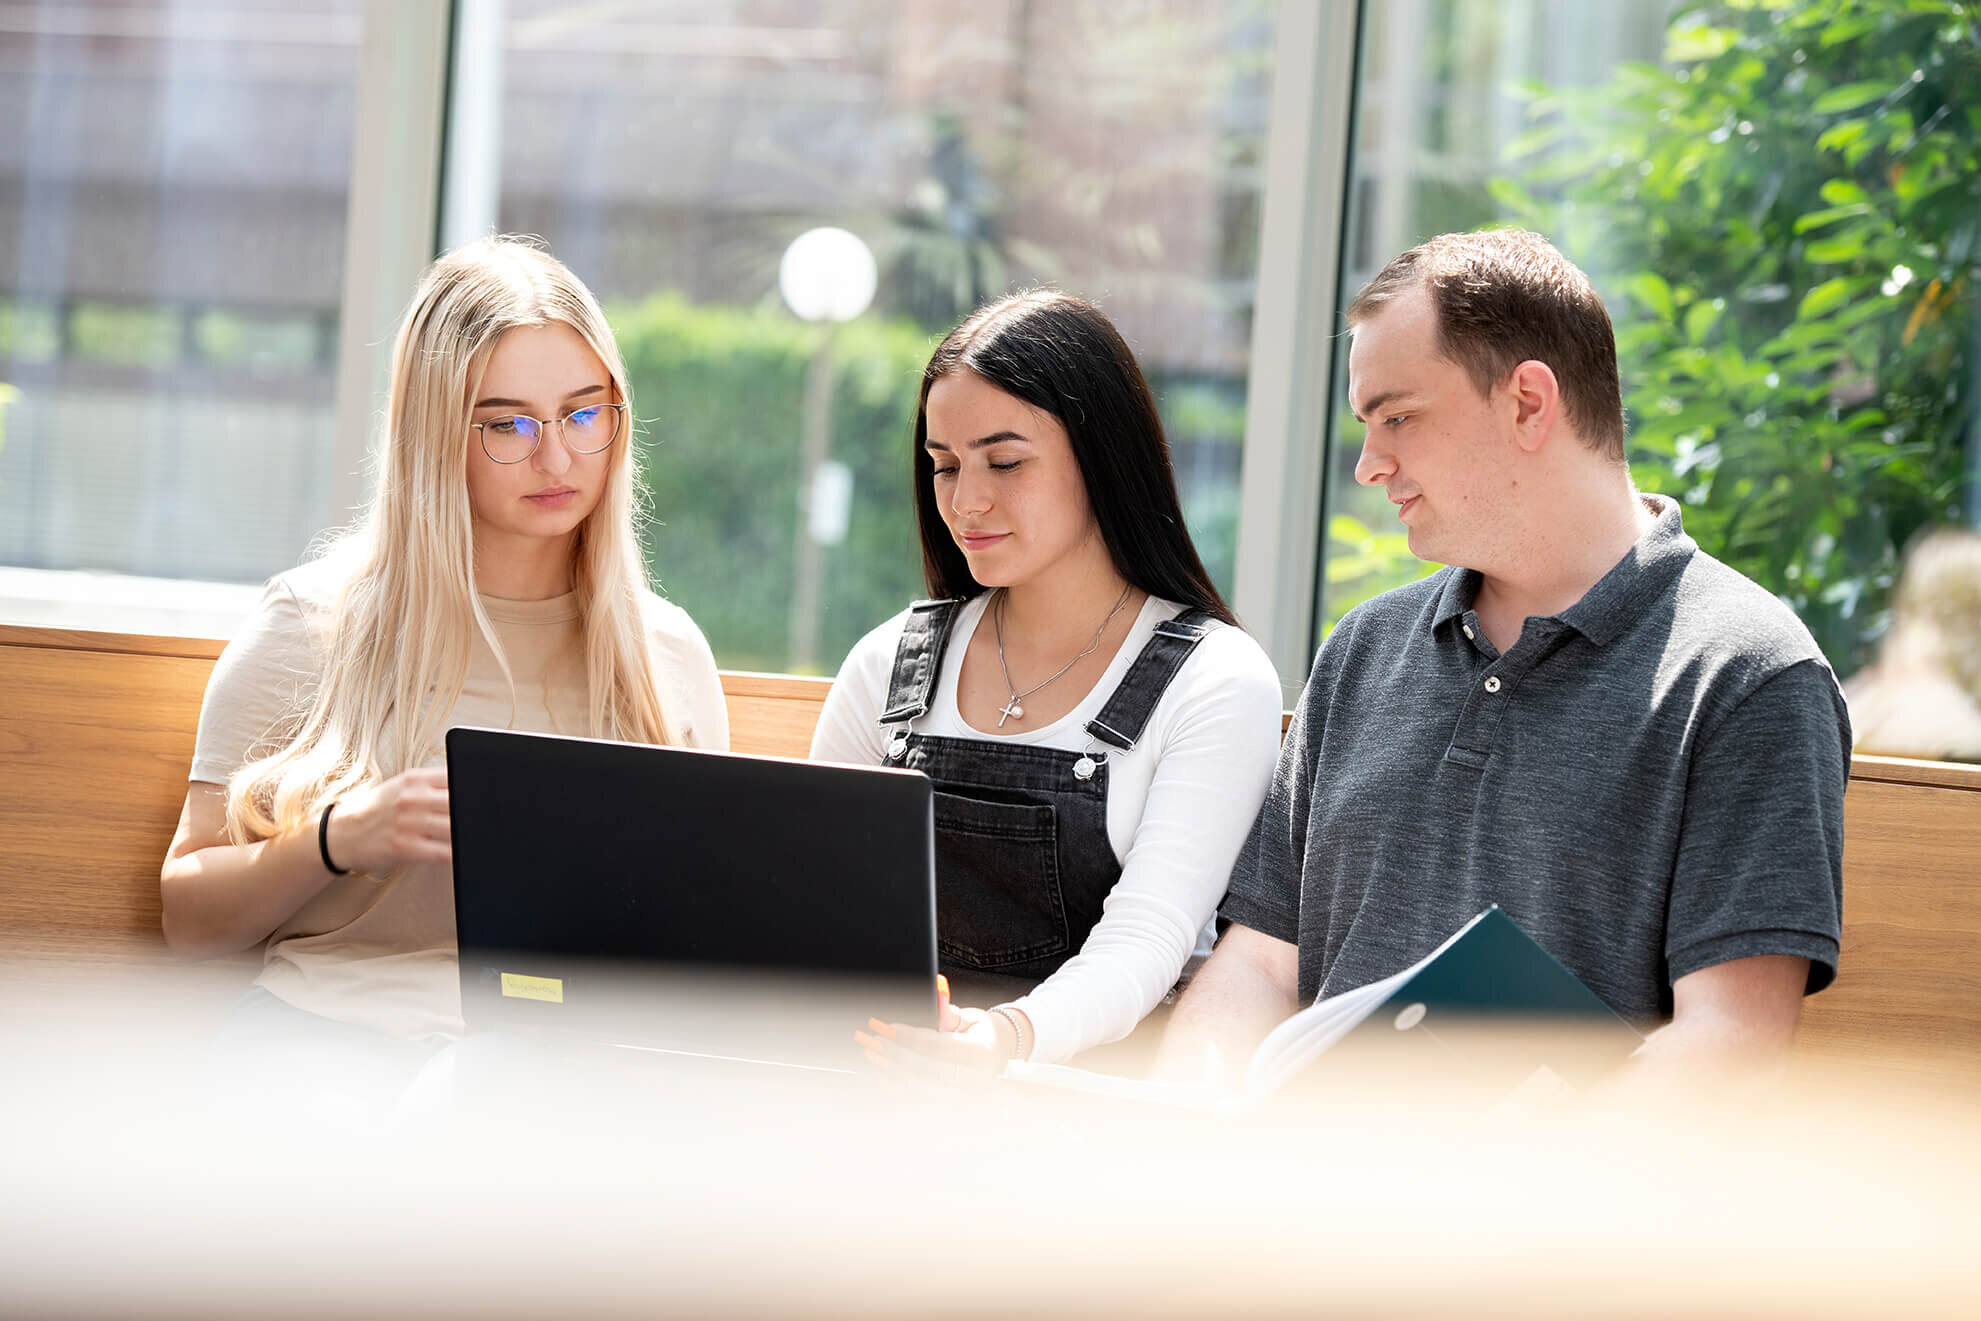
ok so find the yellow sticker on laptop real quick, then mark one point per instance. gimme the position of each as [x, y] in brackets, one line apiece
[516, 985]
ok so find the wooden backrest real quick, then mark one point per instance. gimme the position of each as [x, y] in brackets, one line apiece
[1909, 982]
[773, 714]
[96, 733]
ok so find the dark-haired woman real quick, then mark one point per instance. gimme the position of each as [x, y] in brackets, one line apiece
[1099, 731]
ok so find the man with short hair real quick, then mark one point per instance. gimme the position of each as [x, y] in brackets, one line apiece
[1637, 753]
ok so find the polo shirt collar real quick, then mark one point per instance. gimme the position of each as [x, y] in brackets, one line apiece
[1461, 588]
[1619, 596]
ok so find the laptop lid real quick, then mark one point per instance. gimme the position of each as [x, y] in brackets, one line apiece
[690, 900]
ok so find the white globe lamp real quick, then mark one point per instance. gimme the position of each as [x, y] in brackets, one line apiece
[827, 274]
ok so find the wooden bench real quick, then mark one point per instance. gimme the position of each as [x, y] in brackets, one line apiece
[96, 733]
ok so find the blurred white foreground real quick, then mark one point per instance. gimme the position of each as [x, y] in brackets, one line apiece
[570, 1189]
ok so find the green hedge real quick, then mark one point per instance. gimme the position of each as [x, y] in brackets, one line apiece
[719, 390]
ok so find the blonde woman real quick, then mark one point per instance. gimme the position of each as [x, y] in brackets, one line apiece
[496, 580]
[1923, 697]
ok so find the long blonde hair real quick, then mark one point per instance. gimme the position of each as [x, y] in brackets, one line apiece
[1936, 612]
[406, 614]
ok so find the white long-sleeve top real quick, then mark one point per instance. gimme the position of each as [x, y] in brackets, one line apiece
[1179, 806]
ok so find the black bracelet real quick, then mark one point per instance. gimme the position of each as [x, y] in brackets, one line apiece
[323, 841]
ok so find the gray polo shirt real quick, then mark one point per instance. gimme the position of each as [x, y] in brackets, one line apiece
[1650, 782]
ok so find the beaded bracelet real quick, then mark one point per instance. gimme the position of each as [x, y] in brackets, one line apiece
[1020, 1049]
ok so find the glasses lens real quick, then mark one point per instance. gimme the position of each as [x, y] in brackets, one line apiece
[510, 439]
[589, 430]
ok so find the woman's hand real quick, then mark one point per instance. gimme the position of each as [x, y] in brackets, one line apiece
[974, 1042]
[405, 819]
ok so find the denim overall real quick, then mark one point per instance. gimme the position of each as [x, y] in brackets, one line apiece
[1023, 860]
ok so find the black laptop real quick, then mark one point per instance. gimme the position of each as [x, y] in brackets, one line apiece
[739, 907]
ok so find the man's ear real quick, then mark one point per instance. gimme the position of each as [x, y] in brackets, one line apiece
[1535, 396]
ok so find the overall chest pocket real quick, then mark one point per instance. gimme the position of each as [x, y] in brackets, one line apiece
[998, 895]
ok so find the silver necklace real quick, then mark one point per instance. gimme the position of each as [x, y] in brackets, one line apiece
[1011, 710]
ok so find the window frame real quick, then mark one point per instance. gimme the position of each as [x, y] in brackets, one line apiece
[1289, 430]
[393, 218]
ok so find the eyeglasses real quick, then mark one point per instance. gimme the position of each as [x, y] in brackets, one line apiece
[585, 430]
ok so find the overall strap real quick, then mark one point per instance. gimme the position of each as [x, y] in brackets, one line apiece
[917, 660]
[1127, 712]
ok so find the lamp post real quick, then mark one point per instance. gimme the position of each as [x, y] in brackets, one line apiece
[828, 276]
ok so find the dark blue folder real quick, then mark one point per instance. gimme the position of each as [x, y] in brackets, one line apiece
[1492, 1001]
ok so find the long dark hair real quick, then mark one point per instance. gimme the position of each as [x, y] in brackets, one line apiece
[1059, 354]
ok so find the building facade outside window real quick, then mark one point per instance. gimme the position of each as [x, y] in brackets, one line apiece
[172, 212]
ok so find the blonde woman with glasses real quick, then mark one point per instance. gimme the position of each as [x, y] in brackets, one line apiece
[496, 580]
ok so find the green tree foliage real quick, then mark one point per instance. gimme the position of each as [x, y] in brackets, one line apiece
[719, 391]
[1363, 562]
[1790, 210]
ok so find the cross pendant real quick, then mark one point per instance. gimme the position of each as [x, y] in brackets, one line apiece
[1010, 711]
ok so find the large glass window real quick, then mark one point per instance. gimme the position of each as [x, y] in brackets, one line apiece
[1782, 206]
[670, 152]
[172, 203]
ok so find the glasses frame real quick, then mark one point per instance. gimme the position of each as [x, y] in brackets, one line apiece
[543, 427]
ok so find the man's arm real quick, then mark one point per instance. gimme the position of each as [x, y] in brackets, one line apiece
[1753, 920]
[1736, 1016]
[1249, 986]
[1251, 982]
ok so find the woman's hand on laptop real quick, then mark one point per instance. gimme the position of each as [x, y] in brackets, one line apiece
[378, 829]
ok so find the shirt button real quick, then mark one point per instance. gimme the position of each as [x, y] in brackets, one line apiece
[1470, 636]
[1492, 683]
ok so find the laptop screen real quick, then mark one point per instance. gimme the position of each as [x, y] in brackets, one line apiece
[621, 890]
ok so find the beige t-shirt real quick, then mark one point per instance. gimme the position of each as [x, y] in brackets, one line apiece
[1913, 714]
[379, 952]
